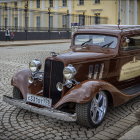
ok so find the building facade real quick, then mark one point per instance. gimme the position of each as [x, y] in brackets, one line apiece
[52, 14]
[129, 11]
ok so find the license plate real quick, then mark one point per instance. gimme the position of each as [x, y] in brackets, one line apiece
[39, 100]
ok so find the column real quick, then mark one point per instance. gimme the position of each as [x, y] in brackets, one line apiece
[31, 15]
[56, 17]
[10, 17]
[43, 16]
[127, 11]
[70, 3]
[20, 15]
[1, 16]
[42, 6]
[135, 12]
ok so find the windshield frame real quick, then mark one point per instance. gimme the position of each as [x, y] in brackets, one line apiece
[77, 48]
[80, 45]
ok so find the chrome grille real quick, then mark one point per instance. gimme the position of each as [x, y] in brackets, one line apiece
[53, 74]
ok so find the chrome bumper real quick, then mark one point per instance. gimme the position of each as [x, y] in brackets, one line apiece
[49, 112]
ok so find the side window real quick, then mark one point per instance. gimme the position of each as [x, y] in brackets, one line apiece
[131, 43]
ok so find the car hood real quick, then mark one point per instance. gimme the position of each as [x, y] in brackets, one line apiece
[82, 57]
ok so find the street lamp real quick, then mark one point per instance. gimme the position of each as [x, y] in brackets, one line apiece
[26, 16]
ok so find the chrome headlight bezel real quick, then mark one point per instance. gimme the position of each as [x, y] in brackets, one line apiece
[69, 72]
[35, 65]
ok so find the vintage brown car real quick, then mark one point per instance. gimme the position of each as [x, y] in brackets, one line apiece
[101, 69]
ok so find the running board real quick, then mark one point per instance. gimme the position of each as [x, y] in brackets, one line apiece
[132, 90]
[49, 112]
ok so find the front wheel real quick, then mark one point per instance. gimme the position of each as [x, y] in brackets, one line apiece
[91, 114]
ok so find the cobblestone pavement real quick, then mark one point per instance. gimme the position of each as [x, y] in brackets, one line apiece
[20, 124]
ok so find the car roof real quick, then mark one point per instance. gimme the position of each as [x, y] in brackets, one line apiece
[109, 29]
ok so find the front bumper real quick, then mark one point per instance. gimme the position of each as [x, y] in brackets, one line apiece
[49, 112]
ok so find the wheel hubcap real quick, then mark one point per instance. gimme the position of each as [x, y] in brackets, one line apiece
[98, 107]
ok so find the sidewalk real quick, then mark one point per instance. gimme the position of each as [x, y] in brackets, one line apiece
[134, 133]
[32, 42]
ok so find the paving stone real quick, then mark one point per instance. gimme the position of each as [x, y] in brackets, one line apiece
[89, 134]
[102, 137]
[111, 131]
[107, 134]
[94, 138]
[58, 138]
[116, 129]
[120, 126]
[126, 121]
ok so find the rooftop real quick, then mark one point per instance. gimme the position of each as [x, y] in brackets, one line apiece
[110, 27]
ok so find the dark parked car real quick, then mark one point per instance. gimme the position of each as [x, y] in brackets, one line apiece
[102, 69]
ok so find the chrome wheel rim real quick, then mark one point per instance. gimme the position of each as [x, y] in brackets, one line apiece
[98, 107]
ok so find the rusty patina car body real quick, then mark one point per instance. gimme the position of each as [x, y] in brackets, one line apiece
[105, 73]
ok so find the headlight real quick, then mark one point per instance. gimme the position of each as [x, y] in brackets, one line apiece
[69, 72]
[35, 65]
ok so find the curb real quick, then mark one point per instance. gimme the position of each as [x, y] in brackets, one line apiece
[28, 44]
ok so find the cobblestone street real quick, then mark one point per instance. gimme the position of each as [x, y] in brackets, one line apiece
[20, 124]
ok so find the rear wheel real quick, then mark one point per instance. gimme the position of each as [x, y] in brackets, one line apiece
[92, 113]
[17, 94]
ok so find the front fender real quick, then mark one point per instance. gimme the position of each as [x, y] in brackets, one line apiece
[20, 80]
[85, 91]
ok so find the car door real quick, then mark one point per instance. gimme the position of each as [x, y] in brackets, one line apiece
[129, 61]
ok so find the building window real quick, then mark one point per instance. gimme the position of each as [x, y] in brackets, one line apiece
[81, 19]
[97, 18]
[96, 1]
[15, 4]
[64, 3]
[38, 21]
[65, 21]
[51, 3]
[51, 21]
[5, 6]
[5, 22]
[81, 2]
[16, 21]
[37, 3]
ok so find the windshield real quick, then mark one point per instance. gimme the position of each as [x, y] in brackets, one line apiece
[103, 41]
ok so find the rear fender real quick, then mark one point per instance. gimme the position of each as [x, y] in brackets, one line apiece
[85, 91]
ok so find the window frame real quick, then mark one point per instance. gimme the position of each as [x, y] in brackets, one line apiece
[97, 1]
[81, 2]
[16, 21]
[37, 3]
[127, 49]
[50, 3]
[51, 21]
[82, 19]
[65, 21]
[64, 3]
[117, 41]
[38, 21]
[5, 6]
[6, 21]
